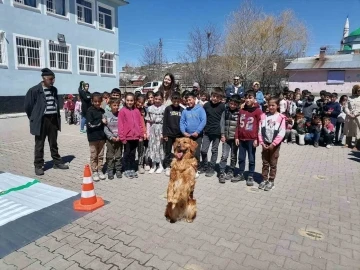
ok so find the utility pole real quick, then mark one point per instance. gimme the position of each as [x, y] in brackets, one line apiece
[208, 35]
[160, 57]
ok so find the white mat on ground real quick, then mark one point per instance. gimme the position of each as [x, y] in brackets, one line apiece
[23, 200]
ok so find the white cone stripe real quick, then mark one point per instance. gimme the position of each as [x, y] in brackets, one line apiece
[87, 180]
[88, 194]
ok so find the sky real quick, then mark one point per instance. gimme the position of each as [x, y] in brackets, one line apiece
[146, 21]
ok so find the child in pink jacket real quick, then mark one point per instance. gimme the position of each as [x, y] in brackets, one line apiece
[272, 129]
[131, 131]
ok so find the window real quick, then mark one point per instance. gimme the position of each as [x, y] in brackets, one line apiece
[84, 11]
[56, 7]
[87, 60]
[107, 63]
[336, 77]
[28, 52]
[3, 50]
[59, 57]
[155, 84]
[30, 3]
[105, 16]
[148, 84]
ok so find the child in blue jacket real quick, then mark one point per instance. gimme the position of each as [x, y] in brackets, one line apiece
[192, 122]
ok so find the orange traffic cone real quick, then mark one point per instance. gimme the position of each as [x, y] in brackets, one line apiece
[88, 201]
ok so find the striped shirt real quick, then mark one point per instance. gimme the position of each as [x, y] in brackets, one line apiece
[50, 102]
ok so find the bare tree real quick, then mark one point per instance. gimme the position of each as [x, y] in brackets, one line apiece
[152, 60]
[204, 45]
[255, 41]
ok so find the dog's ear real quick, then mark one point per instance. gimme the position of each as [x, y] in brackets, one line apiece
[175, 144]
[193, 146]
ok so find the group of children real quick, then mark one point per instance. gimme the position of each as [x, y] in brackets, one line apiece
[146, 126]
[313, 122]
[72, 109]
[143, 124]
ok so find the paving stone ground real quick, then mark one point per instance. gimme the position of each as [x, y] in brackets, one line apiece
[317, 190]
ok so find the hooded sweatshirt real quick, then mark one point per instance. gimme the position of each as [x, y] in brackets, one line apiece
[308, 109]
[272, 128]
[111, 129]
[130, 125]
[94, 124]
[213, 117]
[193, 120]
[248, 123]
[334, 108]
[171, 122]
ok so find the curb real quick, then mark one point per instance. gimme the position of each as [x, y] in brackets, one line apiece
[17, 115]
[13, 115]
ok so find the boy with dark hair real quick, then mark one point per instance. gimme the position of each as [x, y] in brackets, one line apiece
[314, 131]
[246, 136]
[332, 109]
[115, 93]
[192, 122]
[309, 108]
[171, 128]
[228, 124]
[212, 131]
[114, 146]
[321, 102]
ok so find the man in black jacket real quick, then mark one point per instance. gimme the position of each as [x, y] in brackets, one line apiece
[43, 110]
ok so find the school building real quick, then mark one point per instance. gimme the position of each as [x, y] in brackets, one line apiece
[77, 39]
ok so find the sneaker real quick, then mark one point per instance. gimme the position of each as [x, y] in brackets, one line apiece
[147, 168]
[237, 178]
[61, 166]
[141, 169]
[102, 176]
[167, 172]
[159, 170]
[269, 186]
[134, 174]
[128, 174]
[328, 146]
[209, 172]
[222, 178]
[82, 131]
[263, 184]
[118, 174]
[111, 175]
[316, 144]
[39, 171]
[96, 177]
[152, 170]
[229, 175]
[197, 175]
[285, 141]
[250, 181]
[202, 169]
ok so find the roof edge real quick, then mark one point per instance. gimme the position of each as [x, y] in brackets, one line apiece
[120, 2]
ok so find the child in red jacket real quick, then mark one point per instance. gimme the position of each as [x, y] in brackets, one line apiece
[246, 136]
[131, 131]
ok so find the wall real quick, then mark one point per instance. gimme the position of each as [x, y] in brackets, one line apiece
[316, 80]
[15, 82]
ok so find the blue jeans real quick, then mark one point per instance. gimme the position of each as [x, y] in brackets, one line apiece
[83, 122]
[247, 147]
[314, 137]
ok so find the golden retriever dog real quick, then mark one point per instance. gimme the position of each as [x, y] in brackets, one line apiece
[181, 203]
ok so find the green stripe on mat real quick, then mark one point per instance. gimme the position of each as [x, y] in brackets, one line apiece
[27, 185]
